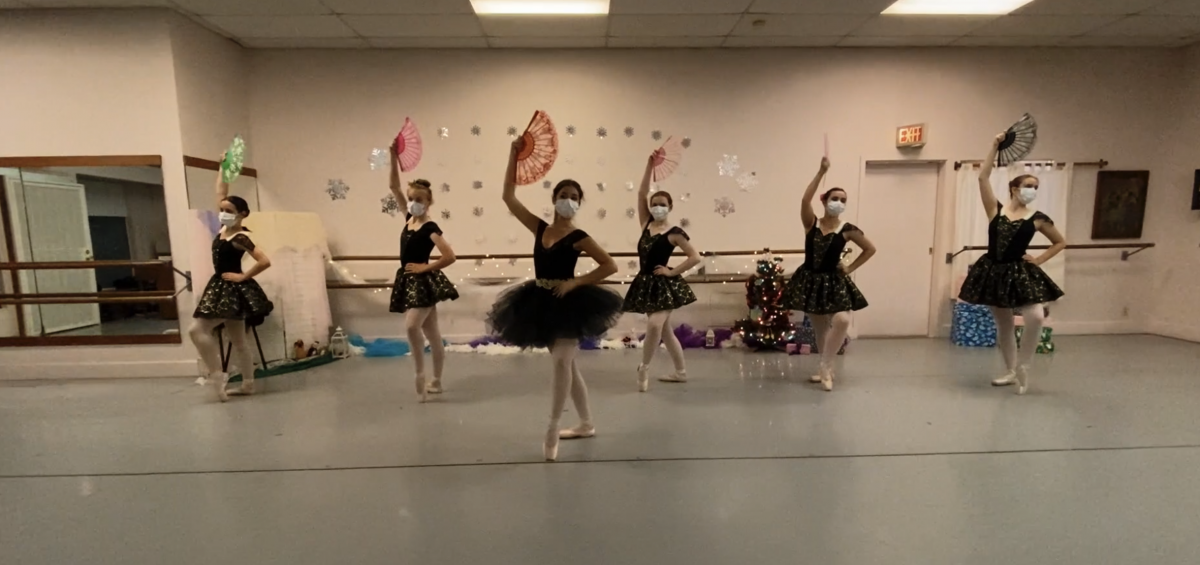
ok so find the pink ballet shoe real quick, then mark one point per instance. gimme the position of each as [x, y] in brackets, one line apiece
[219, 384]
[421, 390]
[1022, 380]
[550, 445]
[643, 378]
[244, 390]
[676, 377]
[435, 387]
[582, 431]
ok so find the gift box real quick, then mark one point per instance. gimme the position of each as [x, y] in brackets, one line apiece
[973, 326]
[1045, 341]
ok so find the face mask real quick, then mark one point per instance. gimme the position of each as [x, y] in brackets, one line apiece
[1027, 195]
[228, 219]
[416, 209]
[835, 208]
[659, 212]
[566, 208]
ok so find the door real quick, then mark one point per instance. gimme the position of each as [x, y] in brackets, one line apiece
[57, 223]
[897, 210]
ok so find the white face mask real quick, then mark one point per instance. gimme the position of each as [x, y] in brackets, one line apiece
[659, 212]
[1027, 195]
[228, 219]
[416, 209]
[566, 208]
[835, 208]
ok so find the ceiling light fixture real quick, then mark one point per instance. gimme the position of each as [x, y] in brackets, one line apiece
[541, 7]
[955, 7]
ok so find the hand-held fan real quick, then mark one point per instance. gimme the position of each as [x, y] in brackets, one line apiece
[408, 146]
[1018, 141]
[231, 166]
[538, 149]
[667, 158]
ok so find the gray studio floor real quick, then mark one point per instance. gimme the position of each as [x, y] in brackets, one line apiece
[914, 459]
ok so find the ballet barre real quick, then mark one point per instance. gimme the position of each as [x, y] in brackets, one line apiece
[495, 281]
[615, 255]
[1125, 255]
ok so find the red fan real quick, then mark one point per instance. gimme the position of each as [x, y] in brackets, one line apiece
[667, 158]
[539, 149]
[408, 146]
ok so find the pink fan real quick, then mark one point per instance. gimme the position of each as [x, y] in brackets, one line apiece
[408, 146]
[667, 158]
[539, 149]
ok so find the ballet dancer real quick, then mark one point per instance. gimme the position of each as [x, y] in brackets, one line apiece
[822, 287]
[658, 290]
[1006, 278]
[420, 285]
[232, 298]
[557, 309]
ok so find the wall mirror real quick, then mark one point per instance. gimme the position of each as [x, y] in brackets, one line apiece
[85, 252]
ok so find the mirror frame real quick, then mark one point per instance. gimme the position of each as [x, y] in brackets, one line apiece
[42, 341]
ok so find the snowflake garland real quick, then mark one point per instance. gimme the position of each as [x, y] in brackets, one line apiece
[685, 223]
[630, 213]
[602, 213]
[389, 205]
[443, 132]
[478, 211]
[477, 184]
[687, 142]
[336, 189]
[748, 181]
[728, 166]
[476, 131]
[445, 214]
[628, 131]
[512, 131]
[656, 135]
[378, 159]
[724, 206]
[571, 131]
[445, 187]
[602, 132]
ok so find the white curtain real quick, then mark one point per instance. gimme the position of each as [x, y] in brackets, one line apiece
[971, 228]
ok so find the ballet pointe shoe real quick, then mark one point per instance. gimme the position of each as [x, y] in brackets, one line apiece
[550, 445]
[582, 431]
[219, 382]
[422, 391]
[815, 378]
[676, 377]
[827, 378]
[434, 387]
[247, 389]
[643, 378]
[1022, 380]
[1007, 379]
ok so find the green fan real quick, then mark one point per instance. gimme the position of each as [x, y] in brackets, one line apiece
[231, 167]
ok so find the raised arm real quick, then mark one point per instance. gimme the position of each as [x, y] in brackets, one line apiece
[510, 190]
[807, 215]
[643, 194]
[986, 193]
[868, 250]
[222, 187]
[394, 180]
[1057, 242]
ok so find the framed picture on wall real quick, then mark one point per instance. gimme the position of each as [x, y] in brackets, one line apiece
[1120, 210]
[1196, 191]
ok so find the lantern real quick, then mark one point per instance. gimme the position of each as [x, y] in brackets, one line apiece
[339, 347]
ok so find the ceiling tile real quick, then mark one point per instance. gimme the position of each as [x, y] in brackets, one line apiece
[1123, 41]
[770, 41]
[455, 25]
[864, 7]
[1062, 26]
[255, 8]
[546, 42]
[780, 25]
[281, 26]
[665, 42]
[544, 26]
[678, 6]
[1175, 8]
[906, 41]
[1009, 41]
[428, 42]
[372, 7]
[305, 43]
[1152, 26]
[1087, 7]
[660, 26]
[7, 4]
[93, 3]
[905, 26]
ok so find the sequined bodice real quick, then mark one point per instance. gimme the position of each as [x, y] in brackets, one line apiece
[655, 250]
[823, 252]
[1008, 240]
[556, 262]
[417, 245]
[227, 257]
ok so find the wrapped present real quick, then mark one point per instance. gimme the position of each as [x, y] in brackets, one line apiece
[973, 326]
[1045, 341]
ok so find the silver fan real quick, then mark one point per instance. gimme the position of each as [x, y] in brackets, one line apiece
[1018, 141]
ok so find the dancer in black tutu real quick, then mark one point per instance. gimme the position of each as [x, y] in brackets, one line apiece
[420, 285]
[557, 309]
[232, 298]
[1007, 278]
[821, 287]
[658, 289]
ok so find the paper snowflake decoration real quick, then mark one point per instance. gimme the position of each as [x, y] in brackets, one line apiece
[571, 131]
[512, 261]
[443, 132]
[389, 205]
[512, 131]
[629, 185]
[632, 264]
[378, 159]
[546, 213]
[570, 159]
[512, 238]
[445, 187]
[685, 223]
[478, 262]
[477, 185]
[728, 166]
[337, 189]
[724, 206]
[445, 214]
[601, 186]
[602, 213]
[686, 143]
[685, 197]
[630, 212]
[476, 130]
[628, 131]
[748, 181]
[478, 211]
[602, 132]
[547, 185]
[656, 135]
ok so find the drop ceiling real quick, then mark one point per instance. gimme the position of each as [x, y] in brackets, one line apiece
[674, 24]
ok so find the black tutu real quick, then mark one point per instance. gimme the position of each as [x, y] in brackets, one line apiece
[818, 293]
[420, 290]
[528, 316]
[228, 300]
[1008, 285]
[653, 293]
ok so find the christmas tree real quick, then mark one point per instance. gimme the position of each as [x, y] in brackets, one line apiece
[769, 325]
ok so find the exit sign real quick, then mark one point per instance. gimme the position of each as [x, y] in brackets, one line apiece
[910, 136]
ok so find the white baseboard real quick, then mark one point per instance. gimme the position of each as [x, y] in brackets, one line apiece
[94, 370]
[1096, 328]
[1177, 331]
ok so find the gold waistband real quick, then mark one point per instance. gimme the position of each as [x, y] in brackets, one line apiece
[548, 283]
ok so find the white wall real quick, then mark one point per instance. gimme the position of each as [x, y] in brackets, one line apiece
[211, 79]
[317, 114]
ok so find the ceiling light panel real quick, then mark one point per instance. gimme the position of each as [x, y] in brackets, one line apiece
[541, 7]
[955, 7]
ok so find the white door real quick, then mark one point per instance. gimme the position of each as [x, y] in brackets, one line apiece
[57, 222]
[897, 208]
